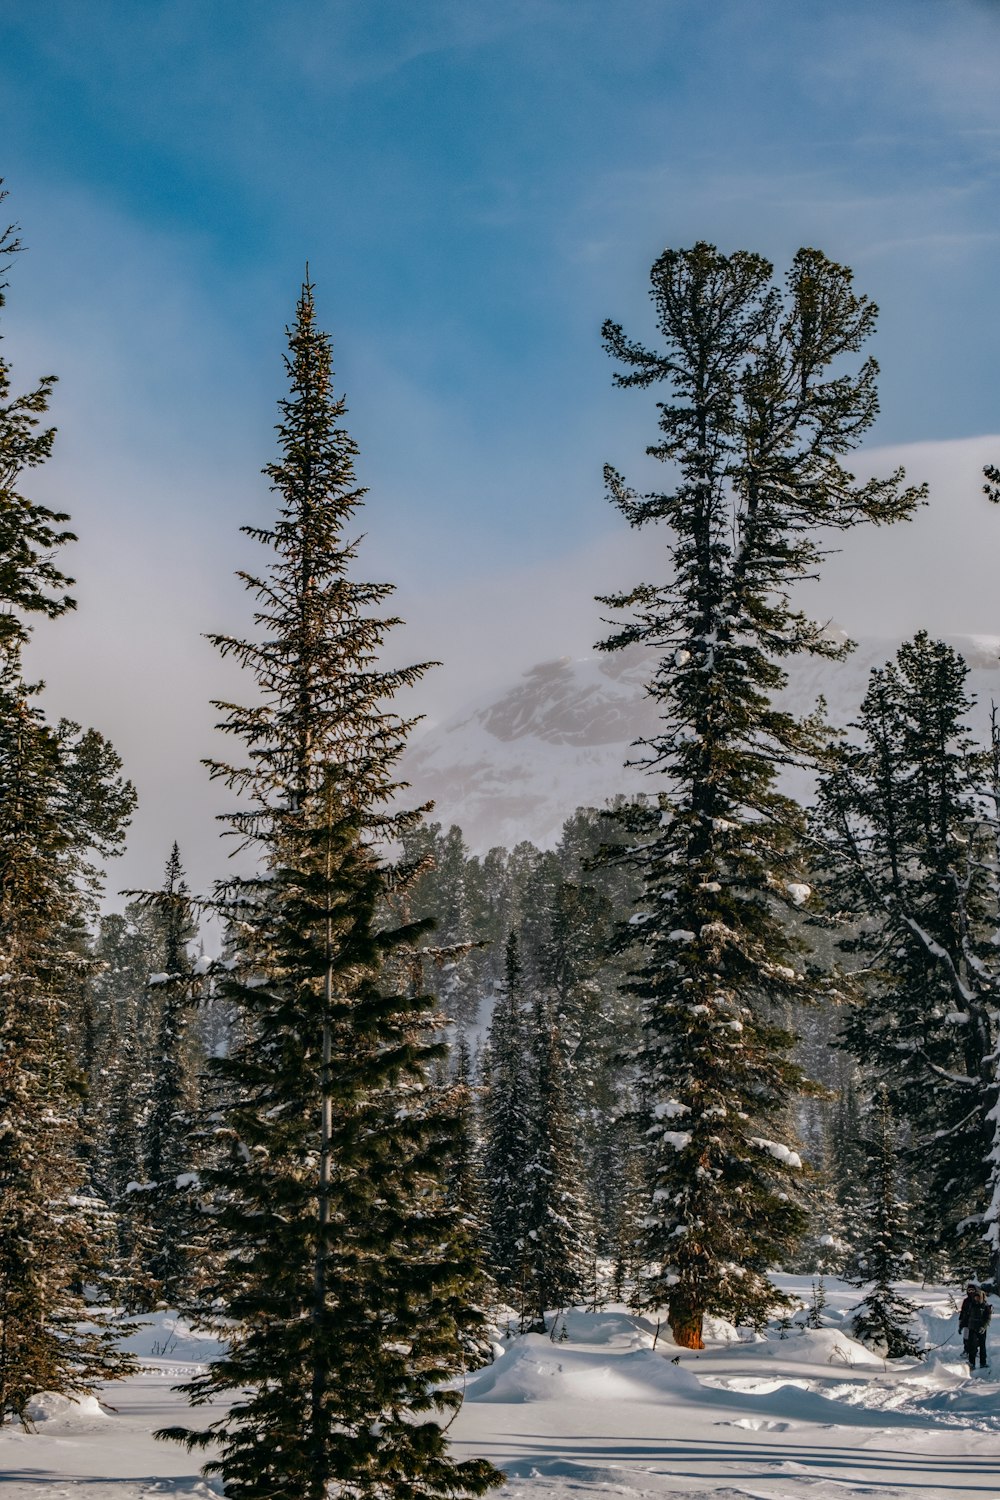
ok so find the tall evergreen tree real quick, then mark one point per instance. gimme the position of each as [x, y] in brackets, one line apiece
[126, 952]
[63, 803]
[757, 414]
[555, 1234]
[173, 1098]
[49, 1244]
[506, 1129]
[884, 1257]
[902, 813]
[339, 1268]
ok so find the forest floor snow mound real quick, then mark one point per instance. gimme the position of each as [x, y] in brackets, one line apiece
[66, 1411]
[799, 1414]
[740, 1379]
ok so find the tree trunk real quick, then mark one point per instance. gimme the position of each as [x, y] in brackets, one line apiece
[685, 1326]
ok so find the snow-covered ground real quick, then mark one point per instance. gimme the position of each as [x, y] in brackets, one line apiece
[601, 1412]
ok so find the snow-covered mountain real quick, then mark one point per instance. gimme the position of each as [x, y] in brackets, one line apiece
[515, 766]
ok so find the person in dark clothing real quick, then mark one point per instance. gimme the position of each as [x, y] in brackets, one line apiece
[973, 1320]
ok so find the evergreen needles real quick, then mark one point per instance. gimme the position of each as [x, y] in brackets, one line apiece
[335, 1263]
[62, 802]
[757, 411]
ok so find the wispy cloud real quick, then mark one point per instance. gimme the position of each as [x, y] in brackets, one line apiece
[477, 187]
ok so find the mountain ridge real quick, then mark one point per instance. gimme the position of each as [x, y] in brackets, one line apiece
[516, 764]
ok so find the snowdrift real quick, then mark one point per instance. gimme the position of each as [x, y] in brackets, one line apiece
[601, 1411]
[536, 1369]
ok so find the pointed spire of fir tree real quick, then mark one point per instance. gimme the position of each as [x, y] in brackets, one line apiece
[333, 1259]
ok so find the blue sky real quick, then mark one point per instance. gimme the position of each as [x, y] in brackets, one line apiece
[476, 187]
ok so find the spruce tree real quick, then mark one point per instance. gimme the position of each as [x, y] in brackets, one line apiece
[902, 814]
[883, 1320]
[758, 410]
[506, 1130]
[336, 1265]
[556, 1248]
[166, 1145]
[464, 1193]
[127, 949]
[49, 1244]
[63, 806]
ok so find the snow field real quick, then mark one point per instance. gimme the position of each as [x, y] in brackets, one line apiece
[602, 1412]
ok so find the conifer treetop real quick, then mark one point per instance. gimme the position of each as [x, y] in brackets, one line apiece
[315, 660]
[30, 534]
[759, 407]
[757, 417]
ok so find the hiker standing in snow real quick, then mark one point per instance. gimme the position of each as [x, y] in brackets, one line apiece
[973, 1321]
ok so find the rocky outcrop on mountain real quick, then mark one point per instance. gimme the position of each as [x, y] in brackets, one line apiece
[516, 766]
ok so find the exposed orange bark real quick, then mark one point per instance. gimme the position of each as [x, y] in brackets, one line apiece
[685, 1326]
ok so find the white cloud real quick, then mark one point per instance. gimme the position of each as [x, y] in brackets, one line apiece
[133, 662]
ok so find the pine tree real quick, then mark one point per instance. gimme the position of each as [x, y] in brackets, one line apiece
[126, 952]
[818, 1305]
[47, 1244]
[173, 1094]
[506, 1130]
[63, 804]
[336, 1263]
[464, 1193]
[901, 812]
[757, 415]
[883, 1320]
[555, 1239]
